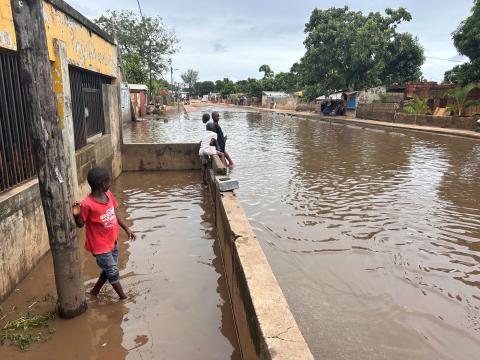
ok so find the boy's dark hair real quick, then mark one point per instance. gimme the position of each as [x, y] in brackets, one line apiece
[97, 177]
[205, 118]
[215, 114]
[211, 127]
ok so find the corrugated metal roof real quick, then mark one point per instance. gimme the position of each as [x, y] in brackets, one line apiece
[137, 87]
[275, 94]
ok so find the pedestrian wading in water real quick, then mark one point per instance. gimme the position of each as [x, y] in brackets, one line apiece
[97, 212]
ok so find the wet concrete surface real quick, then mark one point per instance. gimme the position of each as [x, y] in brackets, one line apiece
[177, 306]
[373, 234]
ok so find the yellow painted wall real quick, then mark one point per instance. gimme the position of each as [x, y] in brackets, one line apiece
[7, 32]
[85, 49]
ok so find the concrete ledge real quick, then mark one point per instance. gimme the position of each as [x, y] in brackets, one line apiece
[155, 157]
[24, 238]
[265, 325]
[218, 166]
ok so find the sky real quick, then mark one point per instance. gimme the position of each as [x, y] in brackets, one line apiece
[222, 38]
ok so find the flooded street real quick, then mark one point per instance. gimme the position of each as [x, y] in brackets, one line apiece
[374, 235]
[177, 306]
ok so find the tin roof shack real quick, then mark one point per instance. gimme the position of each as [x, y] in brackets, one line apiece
[473, 95]
[270, 99]
[138, 95]
[434, 93]
[84, 67]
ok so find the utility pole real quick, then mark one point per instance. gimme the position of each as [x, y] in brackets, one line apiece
[48, 152]
[150, 66]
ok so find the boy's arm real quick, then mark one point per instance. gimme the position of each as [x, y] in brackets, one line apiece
[124, 226]
[76, 211]
[214, 142]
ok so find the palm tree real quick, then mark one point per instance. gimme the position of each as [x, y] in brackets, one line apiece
[416, 106]
[460, 95]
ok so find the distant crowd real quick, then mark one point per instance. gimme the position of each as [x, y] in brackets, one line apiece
[213, 142]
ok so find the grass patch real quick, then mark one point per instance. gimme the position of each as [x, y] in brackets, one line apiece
[30, 326]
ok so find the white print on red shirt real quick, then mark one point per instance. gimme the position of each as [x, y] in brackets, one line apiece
[109, 219]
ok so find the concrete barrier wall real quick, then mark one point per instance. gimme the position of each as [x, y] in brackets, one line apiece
[265, 325]
[451, 122]
[155, 157]
[24, 237]
[377, 111]
[390, 113]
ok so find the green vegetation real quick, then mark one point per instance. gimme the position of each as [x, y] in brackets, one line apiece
[28, 327]
[467, 41]
[145, 43]
[416, 106]
[459, 96]
[345, 50]
[349, 50]
[190, 77]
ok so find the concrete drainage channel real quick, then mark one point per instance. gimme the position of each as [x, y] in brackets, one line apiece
[265, 326]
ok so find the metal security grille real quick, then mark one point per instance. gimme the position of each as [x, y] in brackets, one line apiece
[87, 104]
[16, 160]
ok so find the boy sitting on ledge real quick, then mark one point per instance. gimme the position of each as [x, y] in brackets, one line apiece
[208, 147]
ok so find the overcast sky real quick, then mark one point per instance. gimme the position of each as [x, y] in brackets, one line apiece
[221, 39]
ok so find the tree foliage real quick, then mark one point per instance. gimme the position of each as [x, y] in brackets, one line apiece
[460, 95]
[267, 71]
[349, 50]
[190, 77]
[144, 43]
[467, 41]
[204, 87]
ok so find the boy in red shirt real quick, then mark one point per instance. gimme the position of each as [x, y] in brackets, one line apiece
[97, 212]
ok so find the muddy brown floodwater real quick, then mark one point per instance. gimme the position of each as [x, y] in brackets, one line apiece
[177, 305]
[374, 235]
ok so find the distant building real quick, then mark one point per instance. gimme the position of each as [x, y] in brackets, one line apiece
[138, 95]
[271, 98]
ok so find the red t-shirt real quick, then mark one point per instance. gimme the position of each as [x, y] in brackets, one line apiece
[101, 224]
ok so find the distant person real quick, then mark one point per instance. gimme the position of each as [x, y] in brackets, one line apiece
[97, 212]
[222, 139]
[209, 147]
[206, 119]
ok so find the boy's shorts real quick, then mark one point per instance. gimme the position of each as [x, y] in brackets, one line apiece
[108, 262]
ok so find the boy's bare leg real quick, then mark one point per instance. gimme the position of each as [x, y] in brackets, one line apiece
[230, 162]
[222, 157]
[119, 290]
[98, 286]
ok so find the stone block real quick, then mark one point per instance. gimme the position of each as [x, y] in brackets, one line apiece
[226, 184]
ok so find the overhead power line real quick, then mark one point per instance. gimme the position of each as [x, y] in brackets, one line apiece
[436, 58]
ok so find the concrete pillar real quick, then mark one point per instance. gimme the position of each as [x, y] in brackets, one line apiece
[112, 110]
[61, 85]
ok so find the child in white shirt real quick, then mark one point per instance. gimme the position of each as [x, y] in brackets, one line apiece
[209, 147]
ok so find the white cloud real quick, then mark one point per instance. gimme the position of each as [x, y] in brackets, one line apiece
[232, 39]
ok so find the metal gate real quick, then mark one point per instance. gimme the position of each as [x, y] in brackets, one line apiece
[16, 160]
[87, 104]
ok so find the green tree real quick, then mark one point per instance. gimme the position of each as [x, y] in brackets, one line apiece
[416, 106]
[204, 87]
[145, 43]
[285, 81]
[349, 50]
[267, 71]
[459, 96]
[467, 41]
[190, 77]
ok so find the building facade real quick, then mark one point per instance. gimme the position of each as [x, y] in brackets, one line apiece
[86, 84]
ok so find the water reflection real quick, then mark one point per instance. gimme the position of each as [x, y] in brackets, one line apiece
[373, 234]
